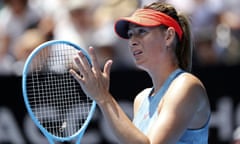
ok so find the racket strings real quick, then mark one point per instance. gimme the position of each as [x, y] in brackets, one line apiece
[55, 97]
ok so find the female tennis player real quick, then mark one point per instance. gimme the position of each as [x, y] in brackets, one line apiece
[176, 109]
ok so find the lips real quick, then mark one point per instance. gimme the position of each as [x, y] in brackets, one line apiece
[137, 52]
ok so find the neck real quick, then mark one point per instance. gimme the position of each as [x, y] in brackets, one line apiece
[160, 76]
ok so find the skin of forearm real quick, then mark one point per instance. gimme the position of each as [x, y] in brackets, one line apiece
[121, 125]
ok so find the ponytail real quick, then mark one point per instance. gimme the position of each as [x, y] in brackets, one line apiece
[184, 51]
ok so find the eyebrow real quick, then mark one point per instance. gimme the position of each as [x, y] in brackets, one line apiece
[136, 26]
[132, 26]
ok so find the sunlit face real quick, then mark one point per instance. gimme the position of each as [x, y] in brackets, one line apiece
[146, 45]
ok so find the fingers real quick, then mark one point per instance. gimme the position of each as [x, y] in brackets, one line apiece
[82, 63]
[95, 64]
[83, 66]
[76, 75]
[88, 70]
[107, 67]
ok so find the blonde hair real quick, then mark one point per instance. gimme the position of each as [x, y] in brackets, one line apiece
[184, 46]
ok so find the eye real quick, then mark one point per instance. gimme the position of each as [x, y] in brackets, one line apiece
[138, 31]
[130, 33]
[141, 31]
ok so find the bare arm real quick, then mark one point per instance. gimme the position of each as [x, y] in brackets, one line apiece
[121, 125]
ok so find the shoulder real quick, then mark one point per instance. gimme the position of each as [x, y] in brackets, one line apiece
[190, 96]
[187, 91]
[188, 81]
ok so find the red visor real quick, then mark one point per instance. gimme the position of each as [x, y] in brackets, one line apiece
[146, 18]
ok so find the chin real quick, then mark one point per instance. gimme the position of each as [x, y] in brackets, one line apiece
[141, 67]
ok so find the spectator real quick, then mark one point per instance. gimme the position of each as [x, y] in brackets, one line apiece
[15, 18]
[77, 25]
[24, 45]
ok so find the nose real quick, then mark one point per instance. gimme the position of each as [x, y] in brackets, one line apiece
[133, 42]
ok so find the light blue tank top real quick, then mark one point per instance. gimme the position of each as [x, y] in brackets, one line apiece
[147, 114]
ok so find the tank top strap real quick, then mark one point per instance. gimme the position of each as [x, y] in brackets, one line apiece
[154, 100]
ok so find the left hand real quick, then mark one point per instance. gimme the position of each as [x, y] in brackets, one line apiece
[94, 82]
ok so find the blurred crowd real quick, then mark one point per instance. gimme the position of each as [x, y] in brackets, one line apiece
[24, 24]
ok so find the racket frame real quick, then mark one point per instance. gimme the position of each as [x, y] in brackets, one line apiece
[51, 138]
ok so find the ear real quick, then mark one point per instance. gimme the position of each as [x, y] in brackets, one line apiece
[170, 35]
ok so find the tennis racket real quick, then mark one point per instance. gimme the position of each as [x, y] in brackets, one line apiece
[53, 98]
